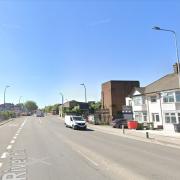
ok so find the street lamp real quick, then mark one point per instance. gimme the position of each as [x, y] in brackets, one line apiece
[62, 103]
[84, 91]
[20, 99]
[176, 45]
[20, 103]
[5, 96]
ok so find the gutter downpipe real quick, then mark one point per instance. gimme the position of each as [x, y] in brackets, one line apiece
[161, 110]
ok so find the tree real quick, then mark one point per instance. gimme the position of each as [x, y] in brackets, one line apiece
[95, 106]
[31, 106]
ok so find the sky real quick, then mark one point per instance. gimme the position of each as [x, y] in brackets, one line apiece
[51, 46]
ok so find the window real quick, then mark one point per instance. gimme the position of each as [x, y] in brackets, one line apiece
[155, 117]
[138, 116]
[170, 118]
[168, 97]
[141, 116]
[178, 96]
[138, 100]
[153, 99]
[145, 116]
[179, 117]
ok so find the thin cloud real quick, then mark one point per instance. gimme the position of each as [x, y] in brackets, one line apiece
[102, 21]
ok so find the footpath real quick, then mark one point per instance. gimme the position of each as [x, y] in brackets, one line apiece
[170, 139]
[2, 122]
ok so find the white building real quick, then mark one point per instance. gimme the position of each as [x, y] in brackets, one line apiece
[159, 102]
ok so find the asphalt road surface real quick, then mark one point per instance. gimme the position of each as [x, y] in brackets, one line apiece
[33, 148]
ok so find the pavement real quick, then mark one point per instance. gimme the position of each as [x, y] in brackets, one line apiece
[2, 122]
[36, 148]
[165, 138]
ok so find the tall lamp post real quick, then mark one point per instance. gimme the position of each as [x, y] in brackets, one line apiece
[62, 103]
[84, 91]
[5, 96]
[20, 99]
[20, 103]
[176, 45]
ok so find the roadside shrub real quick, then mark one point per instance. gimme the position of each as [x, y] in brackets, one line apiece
[140, 126]
[6, 115]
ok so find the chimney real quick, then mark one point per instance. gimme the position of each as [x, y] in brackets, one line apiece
[175, 67]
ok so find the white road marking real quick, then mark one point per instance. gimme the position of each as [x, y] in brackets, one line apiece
[14, 137]
[12, 142]
[9, 147]
[86, 157]
[4, 155]
[40, 121]
[17, 134]
[1, 164]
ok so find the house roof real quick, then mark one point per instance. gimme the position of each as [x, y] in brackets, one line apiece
[140, 89]
[168, 82]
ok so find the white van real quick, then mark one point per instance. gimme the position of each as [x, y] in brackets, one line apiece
[75, 122]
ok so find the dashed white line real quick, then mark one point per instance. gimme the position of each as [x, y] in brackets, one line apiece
[17, 134]
[1, 164]
[12, 142]
[9, 147]
[40, 121]
[14, 137]
[4, 155]
[86, 157]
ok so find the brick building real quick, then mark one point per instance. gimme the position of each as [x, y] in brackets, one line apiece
[114, 93]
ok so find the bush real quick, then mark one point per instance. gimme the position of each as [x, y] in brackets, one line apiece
[6, 115]
[140, 126]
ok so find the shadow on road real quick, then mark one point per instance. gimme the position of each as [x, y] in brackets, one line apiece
[89, 129]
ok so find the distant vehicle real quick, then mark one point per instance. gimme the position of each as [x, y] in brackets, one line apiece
[75, 122]
[29, 113]
[118, 123]
[39, 113]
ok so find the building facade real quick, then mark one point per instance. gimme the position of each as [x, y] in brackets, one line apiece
[114, 93]
[158, 102]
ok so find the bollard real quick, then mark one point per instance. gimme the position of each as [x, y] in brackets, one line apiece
[147, 135]
[123, 129]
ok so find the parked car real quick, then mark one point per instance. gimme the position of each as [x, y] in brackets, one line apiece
[75, 122]
[117, 123]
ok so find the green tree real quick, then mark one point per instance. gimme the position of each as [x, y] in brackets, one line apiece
[95, 106]
[31, 106]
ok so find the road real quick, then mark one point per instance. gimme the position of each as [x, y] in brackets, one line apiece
[44, 149]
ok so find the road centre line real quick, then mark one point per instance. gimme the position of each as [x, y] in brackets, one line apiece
[87, 158]
[4, 155]
[12, 142]
[1, 164]
[9, 147]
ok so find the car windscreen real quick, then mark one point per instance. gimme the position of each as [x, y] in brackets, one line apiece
[78, 119]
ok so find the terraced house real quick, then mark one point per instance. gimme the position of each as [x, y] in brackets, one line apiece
[159, 102]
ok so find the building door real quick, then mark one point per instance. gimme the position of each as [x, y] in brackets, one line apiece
[156, 119]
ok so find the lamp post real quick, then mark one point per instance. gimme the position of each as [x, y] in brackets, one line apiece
[176, 45]
[20, 99]
[20, 103]
[5, 96]
[84, 91]
[62, 103]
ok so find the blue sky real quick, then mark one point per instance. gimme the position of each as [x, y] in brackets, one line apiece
[47, 47]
